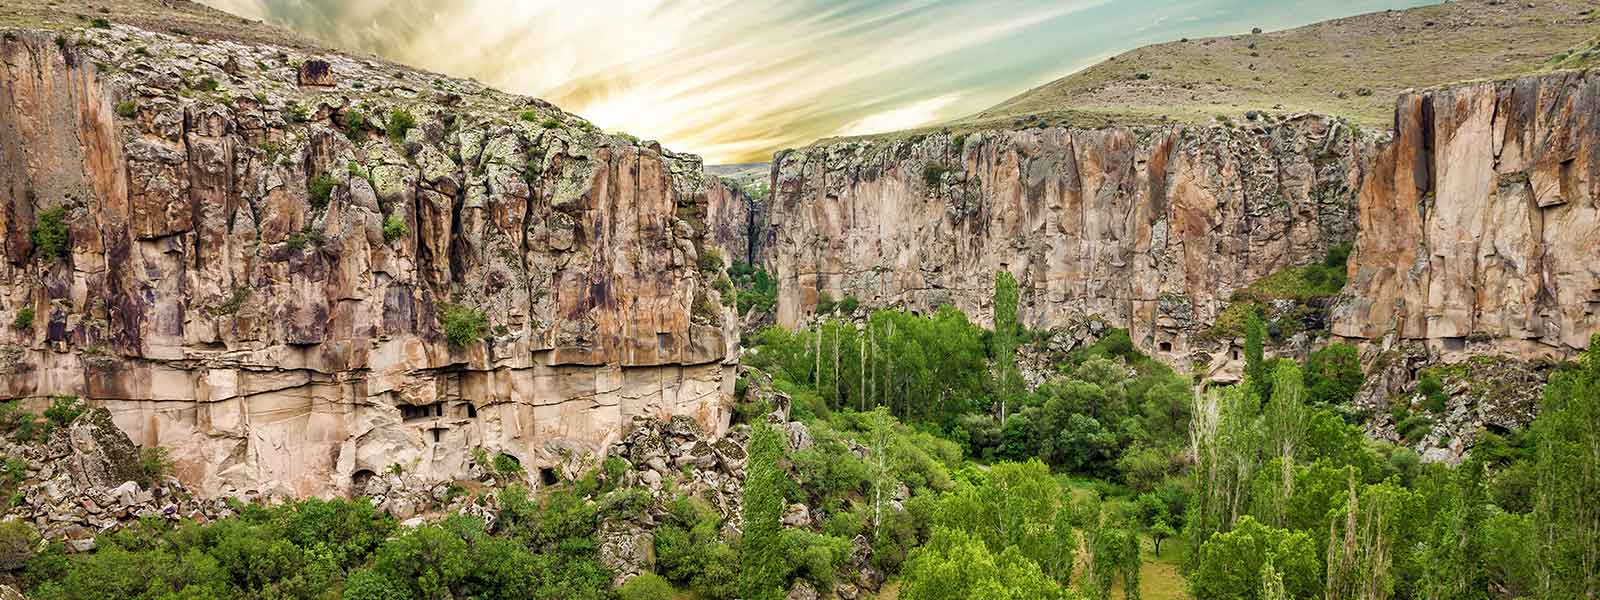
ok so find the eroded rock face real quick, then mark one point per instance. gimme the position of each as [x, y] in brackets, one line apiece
[1149, 229]
[256, 270]
[1478, 223]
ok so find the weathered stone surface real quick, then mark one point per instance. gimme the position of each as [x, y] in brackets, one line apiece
[1148, 229]
[281, 342]
[1478, 223]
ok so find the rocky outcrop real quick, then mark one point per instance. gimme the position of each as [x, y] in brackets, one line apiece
[1150, 229]
[255, 271]
[739, 224]
[1478, 223]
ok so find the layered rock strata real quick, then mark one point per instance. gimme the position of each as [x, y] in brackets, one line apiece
[1473, 222]
[1478, 224]
[255, 273]
[1151, 229]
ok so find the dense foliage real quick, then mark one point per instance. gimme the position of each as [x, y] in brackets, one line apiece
[927, 459]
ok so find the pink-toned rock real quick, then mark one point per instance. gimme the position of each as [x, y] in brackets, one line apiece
[290, 342]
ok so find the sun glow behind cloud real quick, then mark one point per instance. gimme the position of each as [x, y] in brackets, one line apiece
[735, 80]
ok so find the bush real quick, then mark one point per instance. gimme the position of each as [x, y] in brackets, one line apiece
[463, 324]
[153, 465]
[64, 410]
[320, 190]
[934, 173]
[394, 228]
[17, 540]
[646, 586]
[50, 235]
[848, 305]
[127, 109]
[208, 84]
[354, 122]
[507, 465]
[551, 123]
[100, 23]
[24, 320]
[401, 121]
[710, 259]
[1434, 397]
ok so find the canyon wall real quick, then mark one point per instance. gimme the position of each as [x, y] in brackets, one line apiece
[1150, 229]
[262, 245]
[1478, 223]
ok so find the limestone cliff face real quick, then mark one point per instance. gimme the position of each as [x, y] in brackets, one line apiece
[1478, 224]
[259, 252]
[1150, 229]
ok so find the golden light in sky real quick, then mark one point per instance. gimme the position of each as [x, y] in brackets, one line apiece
[736, 80]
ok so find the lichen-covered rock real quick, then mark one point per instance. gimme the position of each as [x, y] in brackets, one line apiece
[261, 254]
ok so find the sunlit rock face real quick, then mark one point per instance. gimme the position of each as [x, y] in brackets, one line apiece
[256, 269]
[1478, 224]
[1149, 229]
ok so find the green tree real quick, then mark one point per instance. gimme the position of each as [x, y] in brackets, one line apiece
[762, 562]
[1333, 374]
[955, 566]
[1230, 564]
[1256, 377]
[1566, 514]
[1006, 331]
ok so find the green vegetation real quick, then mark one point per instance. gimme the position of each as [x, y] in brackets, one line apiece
[207, 84]
[50, 236]
[354, 122]
[63, 410]
[24, 319]
[100, 23]
[463, 324]
[756, 289]
[319, 190]
[127, 109]
[394, 228]
[401, 121]
[762, 566]
[933, 174]
[1308, 286]
[710, 260]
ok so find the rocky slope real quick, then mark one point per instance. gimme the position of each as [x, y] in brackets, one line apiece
[1151, 229]
[262, 242]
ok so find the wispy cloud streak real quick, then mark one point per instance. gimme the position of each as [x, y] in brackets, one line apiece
[737, 79]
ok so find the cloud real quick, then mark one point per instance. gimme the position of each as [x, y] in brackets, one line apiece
[734, 80]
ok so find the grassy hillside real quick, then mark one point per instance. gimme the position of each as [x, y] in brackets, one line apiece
[180, 17]
[1352, 67]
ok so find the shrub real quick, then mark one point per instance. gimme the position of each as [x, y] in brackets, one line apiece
[17, 540]
[50, 234]
[463, 324]
[354, 122]
[646, 586]
[934, 173]
[298, 113]
[100, 23]
[507, 465]
[320, 189]
[1434, 397]
[848, 305]
[551, 123]
[208, 84]
[24, 320]
[1414, 427]
[529, 115]
[153, 465]
[710, 259]
[394, 228]
[401, 121]
[127, 109]
[63, 410]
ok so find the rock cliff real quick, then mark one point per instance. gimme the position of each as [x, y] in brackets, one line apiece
[1151, 229]
[1478, 224]
[246, 253]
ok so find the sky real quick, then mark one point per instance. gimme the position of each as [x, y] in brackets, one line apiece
[736, 80]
